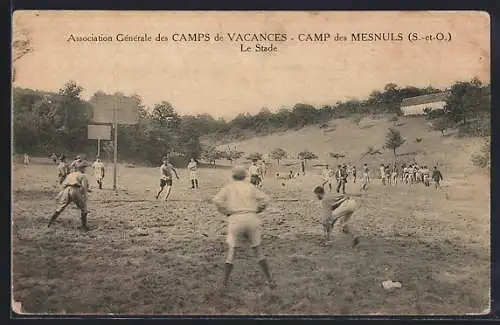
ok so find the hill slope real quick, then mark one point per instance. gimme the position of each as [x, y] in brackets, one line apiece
[353, 139]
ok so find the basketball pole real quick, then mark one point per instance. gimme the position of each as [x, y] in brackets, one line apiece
[98, 148]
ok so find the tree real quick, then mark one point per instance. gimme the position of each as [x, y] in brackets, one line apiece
[165, 114]
[210, 153]
[233, 154]
[21, 46]
[278, 154]
[483, 158]
[440, 124]
[464, 101]
[393, 140]
[307, 155]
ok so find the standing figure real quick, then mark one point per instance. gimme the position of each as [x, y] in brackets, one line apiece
[26, 160]
[166, 177]
[193, 172]
[242, 203]
[426, 176]
[382, 174]
[437, 177]
[366, 177]
[327, 177]
[263, 169]
[341, 178]
[394, 174]
[254, 172]
[99, 170]
[406, 174]
[53, 157]
[353, 170]
[303, 167]
[411, 178]
[387, 172]
[76, 189]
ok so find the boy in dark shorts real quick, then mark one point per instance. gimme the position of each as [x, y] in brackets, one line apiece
[166, 179]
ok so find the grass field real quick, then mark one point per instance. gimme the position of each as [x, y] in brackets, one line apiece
[144, 256]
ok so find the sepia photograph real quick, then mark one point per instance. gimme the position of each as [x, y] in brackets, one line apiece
[250, 163]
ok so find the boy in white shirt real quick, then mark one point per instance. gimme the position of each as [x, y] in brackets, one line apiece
[242, 203]
[193, 172]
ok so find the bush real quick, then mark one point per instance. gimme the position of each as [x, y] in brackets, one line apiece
[476, 128]
[483, 159]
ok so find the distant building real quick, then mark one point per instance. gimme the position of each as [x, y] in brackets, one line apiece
[417, 105]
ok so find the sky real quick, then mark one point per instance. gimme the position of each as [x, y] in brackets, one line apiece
[218, 79]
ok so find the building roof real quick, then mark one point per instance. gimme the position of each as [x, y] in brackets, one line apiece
[424, 99]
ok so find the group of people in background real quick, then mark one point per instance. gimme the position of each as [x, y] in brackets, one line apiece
[411, 173]
[408, 174]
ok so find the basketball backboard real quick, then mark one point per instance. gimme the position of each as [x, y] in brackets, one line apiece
[99, 132]
[104, 105]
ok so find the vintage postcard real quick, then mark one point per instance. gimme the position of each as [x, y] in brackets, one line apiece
[251, 163]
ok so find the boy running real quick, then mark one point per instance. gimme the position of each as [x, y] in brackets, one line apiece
[166, 177]
[336, 207]
[193, 172]
[76, 189]
[242, 203]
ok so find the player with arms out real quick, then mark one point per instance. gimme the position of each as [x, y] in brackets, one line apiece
[241, 202]
[166, 178]
[336, 207]
[76, 189]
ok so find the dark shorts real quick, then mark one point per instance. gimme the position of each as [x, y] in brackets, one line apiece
[164, 182]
